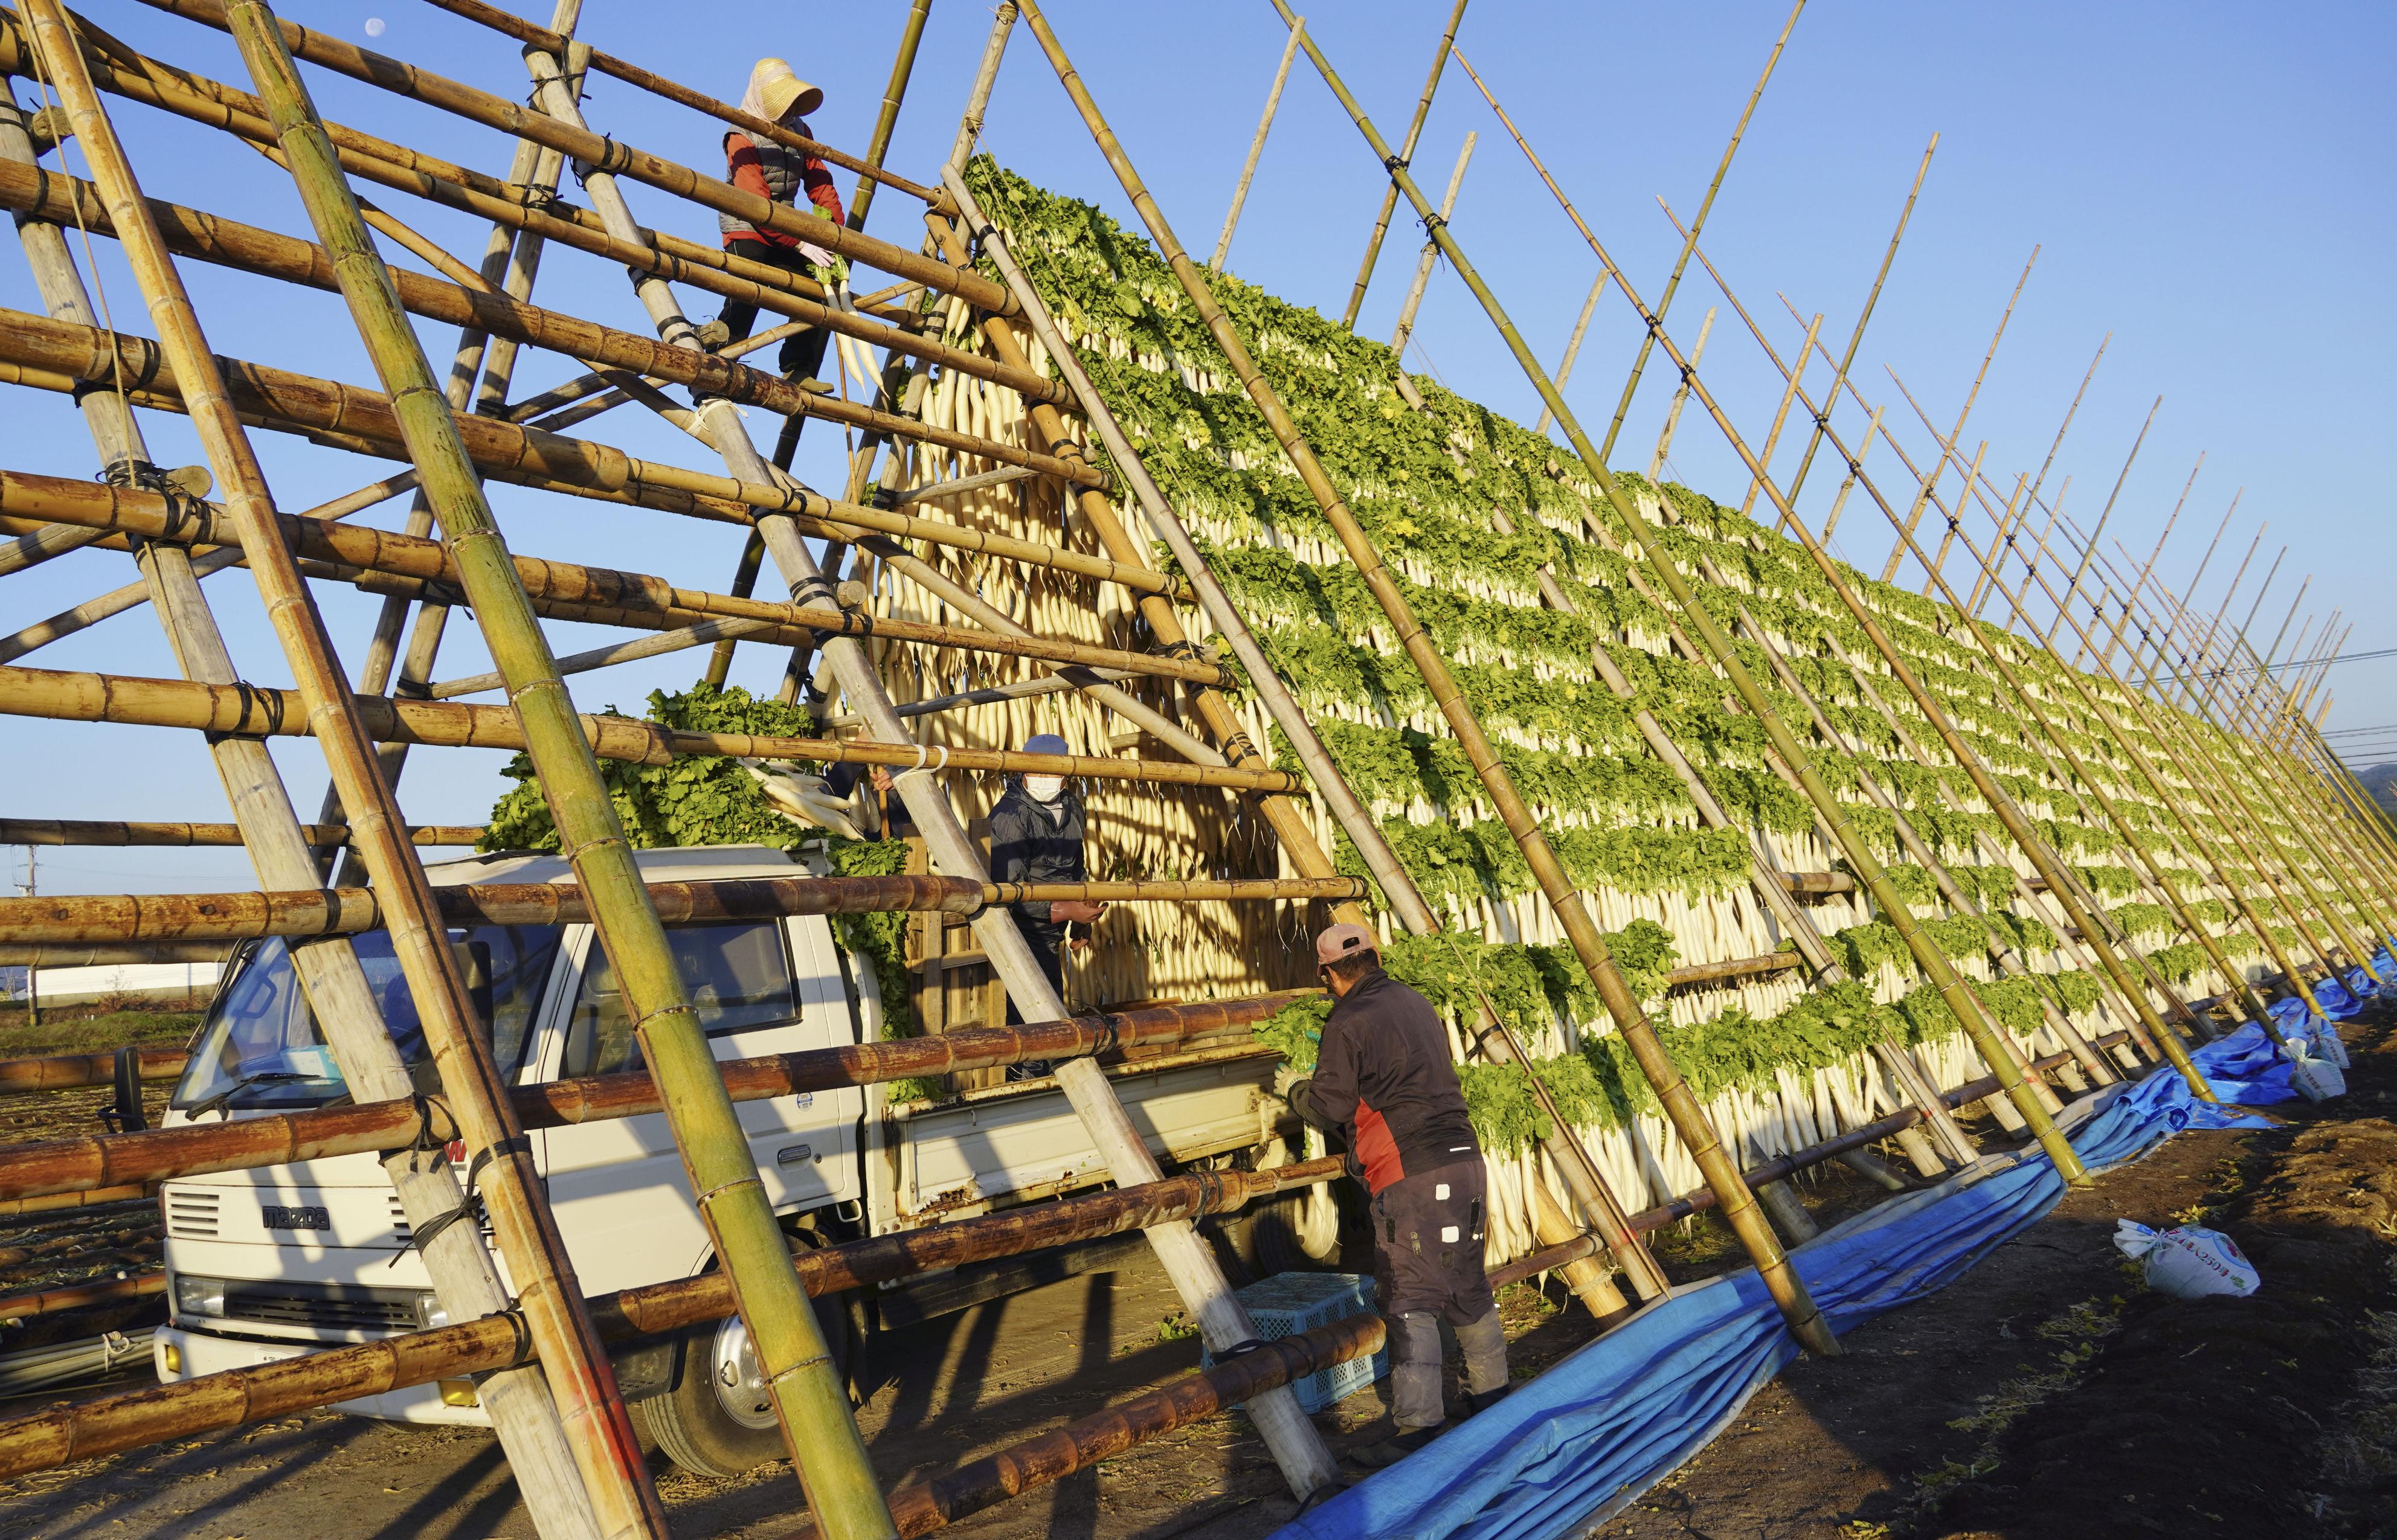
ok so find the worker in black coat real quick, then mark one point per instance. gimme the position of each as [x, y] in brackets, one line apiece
[1384, 1083]
[1035, 836]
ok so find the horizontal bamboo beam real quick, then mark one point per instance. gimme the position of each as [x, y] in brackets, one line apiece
[920, 1508]
[61, 357]
[99, 1197]
[33, 193]
[72, 918]
[105, 956]
[73, 831]
[594, 593]
[106, 1424]
[68, 1071]
[603, 152]
[260, 711]
[1735, 968]
[78, 1296]
[272, 1139]
[1818, 884]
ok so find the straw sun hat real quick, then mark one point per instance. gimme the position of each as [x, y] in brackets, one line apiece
[775, 92]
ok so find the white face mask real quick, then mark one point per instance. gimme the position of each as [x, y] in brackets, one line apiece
[1044, 788]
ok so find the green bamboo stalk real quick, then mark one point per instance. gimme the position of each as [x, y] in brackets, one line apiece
[1681, 1105]
[1390, 193]
[560, 1330]
[1936, 967]
[877, 144]
[1682, 263]
[810, 1398]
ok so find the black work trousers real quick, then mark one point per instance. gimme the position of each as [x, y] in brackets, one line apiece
[803, 351]
[1427, 1242]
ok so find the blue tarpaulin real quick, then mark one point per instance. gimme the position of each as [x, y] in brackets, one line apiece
[1570, 1448]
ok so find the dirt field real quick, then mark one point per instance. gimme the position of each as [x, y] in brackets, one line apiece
[2045, 1394]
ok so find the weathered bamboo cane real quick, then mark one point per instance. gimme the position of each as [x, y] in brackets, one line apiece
[1430, 255]
[2149, 565]
[1572, 344]
[1781, 415]
[809, 1400]
[598, 1434]
[706, 632]
[1848, 482]
[1682, 263]
[2078, 905]
[2057, 444]
[1256, 152]
[2072, 588]
[1947, 540]
[57, 1434]
[68, 831]
[1864, 318]
[1923, 497]
[1689, 1119]
[1860, 858]
[1406, 152]
[1681, 399]
[66, 1071]
[1581, 1175]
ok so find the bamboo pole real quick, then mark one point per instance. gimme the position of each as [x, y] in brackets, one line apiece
[1582, 1177]
[1681, 399]
[1406, 152]
[877, 144]
[1256, 152]
[1947, 540]
[1935, 964]
[1847, 483]
[2079, 906]
[1682, 263]
[55, 1435]
[66, 831]
[1781, 415]
[2150, 564]
[1681, 1106]
[1572, 344]
[1864, 318]
[1406, 327]
[719, 632]
[598, 1434]
[1923, 499]
[809, 1400]
[2072, 588]
[1854, 848]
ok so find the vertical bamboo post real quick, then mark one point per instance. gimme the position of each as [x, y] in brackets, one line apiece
[1935, 964]
[1673, 413]
[1923, 497]
[1256, 151]
[1580, 1172]
[518, 1400]
[577, 1369]
[1689, 1119]
[903, 66]
[1572, 344]
[1390, 193]
[1781, 413]
[809, 1396]
[1423, 263]
[1864, 318]
[1697, 223]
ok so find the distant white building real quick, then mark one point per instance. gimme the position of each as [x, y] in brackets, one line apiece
[144, 982]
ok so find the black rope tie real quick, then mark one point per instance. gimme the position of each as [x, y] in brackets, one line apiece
[1395, 163]
[518, 1144]
[520, 1335]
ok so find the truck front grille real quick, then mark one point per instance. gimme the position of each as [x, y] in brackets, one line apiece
[192, 1213]
[327, 1306]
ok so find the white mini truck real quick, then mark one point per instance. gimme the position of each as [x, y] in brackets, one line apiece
[267, 1263]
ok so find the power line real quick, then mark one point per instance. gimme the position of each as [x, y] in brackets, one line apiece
[2244, 670]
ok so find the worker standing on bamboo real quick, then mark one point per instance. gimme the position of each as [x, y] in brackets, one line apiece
[788, 177]
[1035, 836]
[1382, 1083]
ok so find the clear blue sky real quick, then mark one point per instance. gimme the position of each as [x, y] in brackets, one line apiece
[2208, 182]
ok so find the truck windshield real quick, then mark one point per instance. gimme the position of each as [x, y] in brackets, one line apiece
[261, 1047]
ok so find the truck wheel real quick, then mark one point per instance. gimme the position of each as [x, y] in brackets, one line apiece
[717, 1420]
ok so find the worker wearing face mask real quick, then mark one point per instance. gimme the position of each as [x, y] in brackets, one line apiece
[1035, 836]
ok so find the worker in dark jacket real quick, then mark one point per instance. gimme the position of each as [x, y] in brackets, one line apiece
[1035, 836]
[1382, 1083]
[788, 177]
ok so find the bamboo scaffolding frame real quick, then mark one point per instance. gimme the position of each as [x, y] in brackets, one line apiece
[871, 174]
[598, 1433]
[1390, 193]
[77, 831]
[1689, 1119]
[1978, 1025]
[1673, 413]
[1429, 258]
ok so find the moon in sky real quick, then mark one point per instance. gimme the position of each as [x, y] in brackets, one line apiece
[374, 26]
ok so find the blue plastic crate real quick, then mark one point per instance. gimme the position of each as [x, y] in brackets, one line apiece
[1288, 1303]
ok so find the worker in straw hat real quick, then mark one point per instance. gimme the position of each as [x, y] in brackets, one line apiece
[756, 164]
[1035, 836]
[1384, 1083]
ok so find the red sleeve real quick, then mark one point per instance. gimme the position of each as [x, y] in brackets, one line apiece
[749, 176]
[821, 191]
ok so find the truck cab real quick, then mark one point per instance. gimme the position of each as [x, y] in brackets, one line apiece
[271, 1263]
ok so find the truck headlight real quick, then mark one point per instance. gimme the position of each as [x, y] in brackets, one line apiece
[429, 1312]
[197, 1295]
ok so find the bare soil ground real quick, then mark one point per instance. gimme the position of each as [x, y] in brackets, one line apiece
[2046, 1393]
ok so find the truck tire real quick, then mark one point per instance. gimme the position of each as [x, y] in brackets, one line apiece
[717, 1420]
